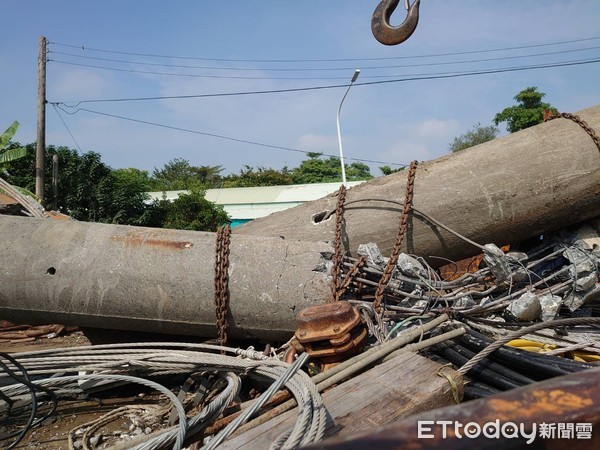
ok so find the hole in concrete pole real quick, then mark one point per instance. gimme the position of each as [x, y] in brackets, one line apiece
[320, 216]
[51, 270]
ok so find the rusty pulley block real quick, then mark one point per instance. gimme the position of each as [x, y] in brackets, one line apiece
[330, 332]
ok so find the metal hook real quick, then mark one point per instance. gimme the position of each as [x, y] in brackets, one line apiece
[388, 34]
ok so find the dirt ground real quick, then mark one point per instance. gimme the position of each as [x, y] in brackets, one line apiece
[73, 339]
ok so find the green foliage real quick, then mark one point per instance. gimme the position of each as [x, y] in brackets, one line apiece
[528, 112]
[193, 212]
[262, 176]
[178, 174]
[311, 170]
[477, 136]
[10, 153]
[387, 170]
[89, 190]
[122, 197]
[317, 170]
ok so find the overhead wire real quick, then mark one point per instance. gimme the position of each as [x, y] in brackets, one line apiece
[68, 130]
[337, 86]
[404, 78]
[322, 69]
[220, 136]
[467, 52]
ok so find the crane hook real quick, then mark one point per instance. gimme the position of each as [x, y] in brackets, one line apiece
[388, 34]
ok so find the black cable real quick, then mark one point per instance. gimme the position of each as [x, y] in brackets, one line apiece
[316, 88]
[507, 372]
[319, 69]
[480, 372]
[468, 52]
[31, 422]
[535, 365]
[220, 136]
[68, 130]
[475, 390]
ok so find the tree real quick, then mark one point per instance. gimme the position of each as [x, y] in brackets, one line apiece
[88, 189]
[317, 170]
[262, 176]
[193, 212]
[528, 112]
[10, 153]
[122, 197]
[179, 174]
[387, 170]
[477, 136]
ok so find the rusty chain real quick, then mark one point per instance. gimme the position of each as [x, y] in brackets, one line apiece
[336, 270]
[349, 277]
[550, 115]
[402, 227]
[222, 281]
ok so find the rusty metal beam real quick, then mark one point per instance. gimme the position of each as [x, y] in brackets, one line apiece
[572, 399]
[154, 280]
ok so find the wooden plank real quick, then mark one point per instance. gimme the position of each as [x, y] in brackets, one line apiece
[407, 384]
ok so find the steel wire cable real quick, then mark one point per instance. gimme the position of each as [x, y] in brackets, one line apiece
[150, 361]
[526, 330]
[242, 418]
[60, 380]
[200, 421]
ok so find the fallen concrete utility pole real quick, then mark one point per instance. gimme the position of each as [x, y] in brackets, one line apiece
[506, 190]
[154, 280]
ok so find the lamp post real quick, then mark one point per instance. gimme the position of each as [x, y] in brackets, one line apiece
[354, 77]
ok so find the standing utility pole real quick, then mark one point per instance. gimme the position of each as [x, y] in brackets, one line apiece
[41, 122]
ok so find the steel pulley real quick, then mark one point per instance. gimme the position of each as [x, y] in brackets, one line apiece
[393, 35]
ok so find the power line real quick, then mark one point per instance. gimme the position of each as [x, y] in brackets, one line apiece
[219, 136]
[468, 52]
[306, 69]
[69, 131]
[368, 83]
[191, 75]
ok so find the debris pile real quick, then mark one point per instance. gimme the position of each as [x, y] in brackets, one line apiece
[507, 318]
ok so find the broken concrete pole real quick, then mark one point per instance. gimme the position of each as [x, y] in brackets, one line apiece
[153, 280]
[506, 190]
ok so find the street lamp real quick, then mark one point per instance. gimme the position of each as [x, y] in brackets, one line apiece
[354, 77]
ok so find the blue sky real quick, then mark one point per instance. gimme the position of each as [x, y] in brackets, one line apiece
[391, 122]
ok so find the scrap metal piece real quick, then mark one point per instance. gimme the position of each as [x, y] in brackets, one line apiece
[332, 331]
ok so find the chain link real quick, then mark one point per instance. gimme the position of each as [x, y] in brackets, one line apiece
[389, 268]
[549, 115]
[336, 270]
[222, 281]
[349, 277]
